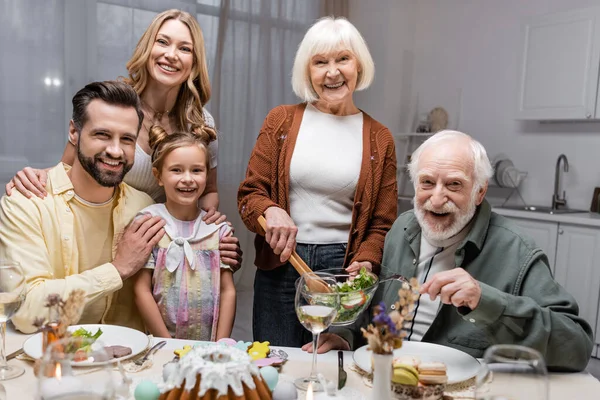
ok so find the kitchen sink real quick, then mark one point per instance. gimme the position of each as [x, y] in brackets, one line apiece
[545, 209]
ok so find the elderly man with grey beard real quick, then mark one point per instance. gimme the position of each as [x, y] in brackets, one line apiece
[482, 281]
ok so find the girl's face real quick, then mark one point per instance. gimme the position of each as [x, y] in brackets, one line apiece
[183, 175]
[172, 56]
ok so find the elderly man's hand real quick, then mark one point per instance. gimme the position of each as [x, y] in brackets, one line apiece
[327, 341]
[281, 232]
[454, 287]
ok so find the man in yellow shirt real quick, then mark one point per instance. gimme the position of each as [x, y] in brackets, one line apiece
[77, 236]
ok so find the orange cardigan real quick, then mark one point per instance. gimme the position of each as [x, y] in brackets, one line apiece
[267, 184]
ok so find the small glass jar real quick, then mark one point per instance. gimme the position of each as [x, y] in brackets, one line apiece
[57, 379]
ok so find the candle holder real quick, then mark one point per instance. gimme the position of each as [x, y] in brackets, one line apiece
[58, 377]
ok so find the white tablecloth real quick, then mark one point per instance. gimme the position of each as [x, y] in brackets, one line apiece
[580, 386]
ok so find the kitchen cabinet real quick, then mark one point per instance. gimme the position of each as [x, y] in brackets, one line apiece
[544, 233]
[574, 254]
[576, 269]
[560, 61]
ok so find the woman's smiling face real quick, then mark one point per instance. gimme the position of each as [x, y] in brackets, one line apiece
[172, 56]
[334, 76]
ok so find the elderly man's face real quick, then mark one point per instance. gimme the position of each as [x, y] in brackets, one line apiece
[445, 199]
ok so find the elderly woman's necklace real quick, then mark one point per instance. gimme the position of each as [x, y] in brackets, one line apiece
[157, 114]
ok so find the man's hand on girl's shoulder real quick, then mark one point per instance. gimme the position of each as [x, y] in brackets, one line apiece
[231, 252]
[213, 216]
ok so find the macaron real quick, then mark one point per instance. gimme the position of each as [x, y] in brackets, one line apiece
[432, 373]
[405, 375]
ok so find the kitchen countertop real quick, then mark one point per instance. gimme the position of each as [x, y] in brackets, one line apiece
[584, 218]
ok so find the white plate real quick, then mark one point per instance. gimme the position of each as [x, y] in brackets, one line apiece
[111, 335]
[460, 366]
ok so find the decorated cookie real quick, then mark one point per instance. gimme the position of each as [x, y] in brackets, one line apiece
[182, 352]
[273, 361]
[259, 350]
[227, 341]
[243, 345]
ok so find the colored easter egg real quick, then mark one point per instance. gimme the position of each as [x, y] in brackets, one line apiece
[285, 391]
[270, 375]
[146, 390]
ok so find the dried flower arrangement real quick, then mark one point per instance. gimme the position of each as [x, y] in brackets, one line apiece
[61, 313]
[386, 333]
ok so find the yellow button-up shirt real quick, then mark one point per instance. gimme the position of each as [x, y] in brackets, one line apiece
[40, 235]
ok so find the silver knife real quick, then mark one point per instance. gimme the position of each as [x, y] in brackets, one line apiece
[14, 354]
[342, 375]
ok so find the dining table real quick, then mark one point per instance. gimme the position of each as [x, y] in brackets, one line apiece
[580, 385]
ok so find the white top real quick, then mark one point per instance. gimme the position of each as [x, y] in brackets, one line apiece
[434, 256]
[324, 172]
[140, 176]
[180, 245]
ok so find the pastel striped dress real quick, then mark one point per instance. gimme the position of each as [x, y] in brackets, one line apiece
[188, 296]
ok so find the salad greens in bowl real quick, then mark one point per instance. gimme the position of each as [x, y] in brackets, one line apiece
[355, 294]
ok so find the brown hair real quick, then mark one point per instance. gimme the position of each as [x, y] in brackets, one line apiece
[111, 92]
[195, 92]
[163, 144]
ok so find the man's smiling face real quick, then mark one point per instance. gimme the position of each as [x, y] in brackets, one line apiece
[445, 192]
[106, 143]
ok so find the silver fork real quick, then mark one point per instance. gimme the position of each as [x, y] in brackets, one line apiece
[153, 349]
[396, 277]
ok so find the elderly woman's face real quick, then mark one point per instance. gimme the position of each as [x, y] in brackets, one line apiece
[445, 199]
[334, 75]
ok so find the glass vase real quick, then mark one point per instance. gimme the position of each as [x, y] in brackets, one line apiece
[382, 376]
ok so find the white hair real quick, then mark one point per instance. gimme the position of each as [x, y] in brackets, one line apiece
[482, 168]
[326, 35]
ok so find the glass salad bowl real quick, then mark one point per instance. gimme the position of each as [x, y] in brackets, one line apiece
[355, 295]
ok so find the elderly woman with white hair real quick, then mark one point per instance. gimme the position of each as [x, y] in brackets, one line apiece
[322, 173]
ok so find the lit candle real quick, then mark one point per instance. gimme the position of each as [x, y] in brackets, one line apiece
[309, 391]
[59, 386]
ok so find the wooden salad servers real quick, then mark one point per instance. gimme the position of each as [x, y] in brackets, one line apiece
[316, 284]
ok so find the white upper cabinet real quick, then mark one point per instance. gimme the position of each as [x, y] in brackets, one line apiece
[559, 66]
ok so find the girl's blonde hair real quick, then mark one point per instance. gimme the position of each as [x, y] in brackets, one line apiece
[195, 92]
[162, 144]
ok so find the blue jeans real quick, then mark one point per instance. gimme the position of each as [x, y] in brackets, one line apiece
[274, 317]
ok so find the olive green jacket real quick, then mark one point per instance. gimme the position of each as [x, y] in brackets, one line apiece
[520, 303]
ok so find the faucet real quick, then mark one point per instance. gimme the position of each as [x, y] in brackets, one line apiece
[556, 199]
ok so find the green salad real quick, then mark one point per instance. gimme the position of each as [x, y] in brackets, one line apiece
[351, 303]
[89, 336]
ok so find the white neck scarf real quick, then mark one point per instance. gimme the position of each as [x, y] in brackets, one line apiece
[180, 249]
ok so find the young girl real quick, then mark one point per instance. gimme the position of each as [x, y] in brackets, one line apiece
[185, 291]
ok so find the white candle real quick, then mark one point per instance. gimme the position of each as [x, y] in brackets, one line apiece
[309, 391]
[51, 388]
